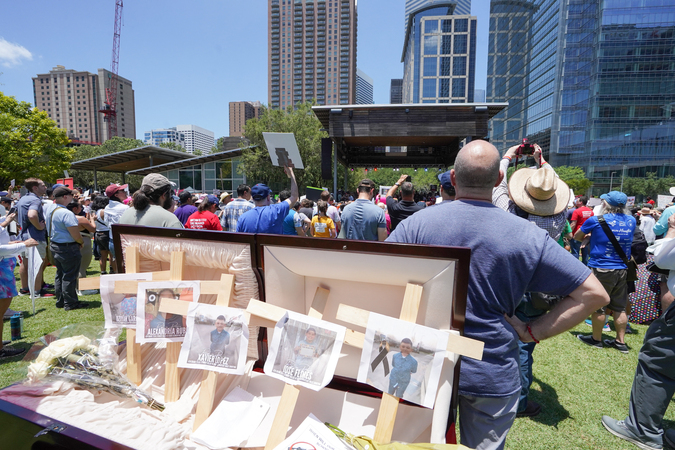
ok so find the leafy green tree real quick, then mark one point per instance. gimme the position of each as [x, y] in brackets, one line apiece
[575, 177]
[85, 178]
[31, 145]
[650, 185]
[302, 122]
[173, 146]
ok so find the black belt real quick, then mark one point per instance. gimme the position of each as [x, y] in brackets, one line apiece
[65, 243]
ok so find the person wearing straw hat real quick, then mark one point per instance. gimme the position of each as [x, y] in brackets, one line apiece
[540, 197]
[647, 223]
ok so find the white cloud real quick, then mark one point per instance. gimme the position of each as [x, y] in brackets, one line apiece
[13, 54]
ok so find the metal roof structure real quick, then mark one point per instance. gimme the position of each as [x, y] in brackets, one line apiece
[129, 160]
[423, 135]
[189, 162]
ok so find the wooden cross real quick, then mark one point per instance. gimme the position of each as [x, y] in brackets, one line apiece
[266, 315]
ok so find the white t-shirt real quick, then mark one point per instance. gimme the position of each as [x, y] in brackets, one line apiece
[112, 214]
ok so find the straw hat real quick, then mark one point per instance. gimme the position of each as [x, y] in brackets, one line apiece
[646, 211]
[539, 191]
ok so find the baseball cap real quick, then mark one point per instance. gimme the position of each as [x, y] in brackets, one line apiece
[212, 199]
[444, 179]
[260, 191]
[156, 181]
[111, 190]
[615, 198]
[5, 199]
[62, 191]
[58, 185]
[367, 182]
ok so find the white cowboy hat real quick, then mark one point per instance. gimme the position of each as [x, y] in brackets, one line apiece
[539, 191]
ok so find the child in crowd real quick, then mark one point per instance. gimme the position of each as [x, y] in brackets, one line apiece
[403, 366]
[322, 225]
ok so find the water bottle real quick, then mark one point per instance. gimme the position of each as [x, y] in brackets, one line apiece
[15, 326]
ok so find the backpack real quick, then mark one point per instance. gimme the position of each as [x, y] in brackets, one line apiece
[638, 249]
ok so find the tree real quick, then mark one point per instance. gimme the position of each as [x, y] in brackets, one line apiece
[173, 146]
[302, 122]
[575, 177]
[650, 185]
[85, 178]
[31, 145]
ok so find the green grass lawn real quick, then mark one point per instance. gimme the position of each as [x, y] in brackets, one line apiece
[575, 384]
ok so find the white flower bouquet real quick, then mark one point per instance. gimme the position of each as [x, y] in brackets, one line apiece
[77, 360]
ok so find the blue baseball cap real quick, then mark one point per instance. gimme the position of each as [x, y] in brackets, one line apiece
[212, 199]
[444, 178]
[615, 198]
[260, 191]
[58, 185]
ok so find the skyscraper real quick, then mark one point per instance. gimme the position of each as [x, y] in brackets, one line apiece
[592, 82]
[396, 91]
[73, 98]
[439, 55]
[364, 88]
[463, 7]
[240, 112]
[312, 52]
[197, 138]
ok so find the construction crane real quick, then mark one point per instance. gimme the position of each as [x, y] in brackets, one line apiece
[109, 111]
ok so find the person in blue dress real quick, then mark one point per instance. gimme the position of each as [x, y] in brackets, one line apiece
[403, 366]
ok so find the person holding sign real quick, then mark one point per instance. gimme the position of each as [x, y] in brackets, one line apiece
[267, 217]
[306, 350]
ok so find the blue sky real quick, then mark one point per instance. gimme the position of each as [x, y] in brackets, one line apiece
[186, 59]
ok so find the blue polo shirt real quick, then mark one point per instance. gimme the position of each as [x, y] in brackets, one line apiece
[264, 219]
[25, 204]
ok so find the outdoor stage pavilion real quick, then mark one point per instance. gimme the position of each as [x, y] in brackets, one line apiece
[414, 135]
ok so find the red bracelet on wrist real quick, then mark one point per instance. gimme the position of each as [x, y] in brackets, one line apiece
[529, 330]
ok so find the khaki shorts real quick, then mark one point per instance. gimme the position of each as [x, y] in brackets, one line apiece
[614, 282]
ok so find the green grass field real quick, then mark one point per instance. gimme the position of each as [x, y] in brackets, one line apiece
[575, 384]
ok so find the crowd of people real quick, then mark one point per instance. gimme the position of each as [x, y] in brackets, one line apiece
[537, 269]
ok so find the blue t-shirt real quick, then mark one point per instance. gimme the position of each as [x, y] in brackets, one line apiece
[25, 204]
[361, 219]
[185, 211]
[509, 256]
[59, 222]
[289, 223]
[219, 341]
[603, 255]
[264, 219]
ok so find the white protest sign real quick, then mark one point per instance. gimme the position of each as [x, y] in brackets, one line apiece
[283, 150]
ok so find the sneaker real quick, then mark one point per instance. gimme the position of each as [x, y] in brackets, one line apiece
[623, 348]
[44, 293]
[6, 343]
[669, 437]
[531, 410]
[104, 273]
[606, 328]
[23, 291]
[588, 339]
[8, 352]
[78, 305]
[88, 292]
[9, 313]
[59, 305]
[630, 330]
[588, 322]
[47, 286]
[618, 429]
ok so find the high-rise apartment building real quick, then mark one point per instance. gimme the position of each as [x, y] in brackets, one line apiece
[312, 52]
[240, 112]
[593, 82]
[162, 135]
[439, 55]
[364, 88]
[396, 91]
[197, 138]
[73, 98]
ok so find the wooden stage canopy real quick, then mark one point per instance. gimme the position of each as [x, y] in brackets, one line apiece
[404, 135]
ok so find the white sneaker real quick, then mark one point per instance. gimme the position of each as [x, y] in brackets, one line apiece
[88, 292]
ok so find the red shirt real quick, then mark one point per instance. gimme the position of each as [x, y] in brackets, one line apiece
[203, 220]
[651, 202]
[581, 215]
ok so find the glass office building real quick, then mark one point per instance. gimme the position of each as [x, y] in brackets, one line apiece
[598, 83]
[439, 56]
